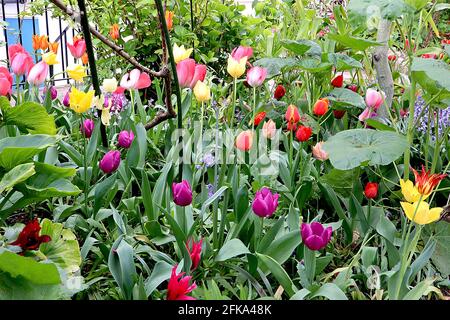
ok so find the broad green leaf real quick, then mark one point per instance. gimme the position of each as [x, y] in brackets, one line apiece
[352, 42]
[29, 269]
[278, 272]
[274, 66]
[281, 249]
[329, 291]
[340, 180]
[314, 65]
[231, 249]
[16, 175]
[386, 9]
[301, 47]
[31, 117]
[440, 232]
[378, 125]
[161, 272]
[343, 98]
[63, 249]
[433, 76]
[20, 149]
[122, 267]
[138, 150]
[343, 62]
[422, 288]
[352, 148]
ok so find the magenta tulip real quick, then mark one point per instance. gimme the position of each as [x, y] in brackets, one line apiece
[315, 236]
[110, 161]
[374, 99]
[265, 203]
[195, 252]
[87, 128]
[182, 193]
[179, 287]
[38, 73]
[256, 76]
[125, 139]
[66, 99]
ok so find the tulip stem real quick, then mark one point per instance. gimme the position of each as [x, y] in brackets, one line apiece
[233, 108]
[309, 257]
[91, 57]
[252, 121]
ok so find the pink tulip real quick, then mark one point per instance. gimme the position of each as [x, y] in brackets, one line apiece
[38, 73]
[135, 80]
[244, 140]
[87, 128]
[110, 161]
[78, 48]
[374, 99]
[240, 52]
[256, 76]
[367, 114]
[269, 129]
[189, 73]
[319, 153]
[125, 139]
[21, 61]
[5, 81]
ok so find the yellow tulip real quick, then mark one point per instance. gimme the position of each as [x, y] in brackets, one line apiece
[236, 68]
[106, 116]
[109, 85]
[77, 72]
[80, 101]
[50, 58]
[410, 191]
[421, 213]
[202, 91]
[180, 53]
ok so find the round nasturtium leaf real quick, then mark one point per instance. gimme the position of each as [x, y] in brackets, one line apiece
[352, 148]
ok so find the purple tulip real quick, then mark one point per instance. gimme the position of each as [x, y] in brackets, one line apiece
[182, 193]
[87, 128]
[125, 139]
[265, 203]
[66, 100]
[315, 236]
[53, 92]
[110, 161]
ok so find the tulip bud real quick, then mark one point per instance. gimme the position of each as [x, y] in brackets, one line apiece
[125, 139]
[338, 81]
[38, 73]
[114, 31]
[371, 190]
[244, 140]
[315, 236]
[320, 107]
[339, 114]
[109, 85]
[53, 92]
[352, 87]
[265, 203]
[292, 116]
[195, 252]
[392, 57]
[182, 193]
[87, 128]
[258, 118]
[269, 129]
[319, 153]
[374, 99]
[110, 161]
[66, 99]
[280, 91]
[202, 91]
[303, 133]
[256, 76]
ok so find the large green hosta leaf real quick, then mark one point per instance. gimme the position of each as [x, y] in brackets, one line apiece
[17, 150]
[16, 175]
[63, 249]
[387, 9]
[352, 42]
[352, 148]
[301, 47]
[343, 62]
[343, 98]
[31, 117]
[441, 255]
[433, 76]
[274, 66]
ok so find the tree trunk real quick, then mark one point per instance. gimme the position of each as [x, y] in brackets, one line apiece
[380, 60]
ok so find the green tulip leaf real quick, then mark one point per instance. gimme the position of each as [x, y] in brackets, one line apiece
[343, 98]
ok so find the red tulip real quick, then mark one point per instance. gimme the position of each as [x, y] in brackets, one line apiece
[303, 133]
[29, 238]
[429, 56]
[259, 117]
[280, 91]
[392, 57]
[292, 117]
[338, 81]
[339, 114]
[195, 252]
[179, 287]
[371, 190]
[320, 107]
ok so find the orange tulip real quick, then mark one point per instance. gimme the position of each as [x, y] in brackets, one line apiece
[169, 19]
[44, 42]
[84, 58]
[53, 46]
[114, 31]
[36, 42]
[292, 117]
[321, 107]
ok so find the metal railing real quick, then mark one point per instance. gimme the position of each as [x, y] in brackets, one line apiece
[20, 27]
